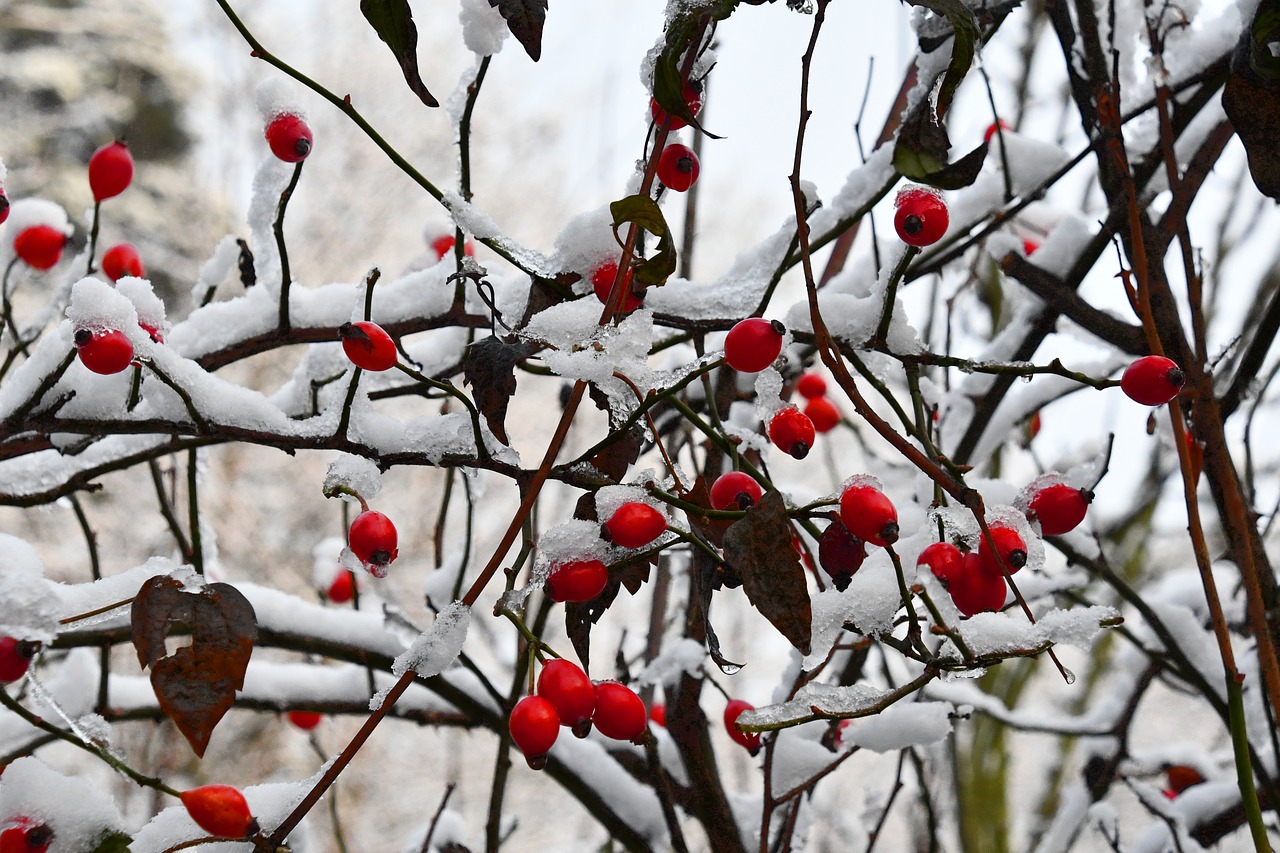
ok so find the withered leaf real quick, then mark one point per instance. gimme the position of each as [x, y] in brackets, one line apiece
[525, 19]
[759, 547]
[579, 617]
[392, 20]
[701, 585]
[490, 370]
[197, 684]
[1251, 97]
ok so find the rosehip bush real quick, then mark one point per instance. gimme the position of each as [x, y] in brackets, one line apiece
[860, 445]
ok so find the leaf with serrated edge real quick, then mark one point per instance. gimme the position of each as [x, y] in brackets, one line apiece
[759, 547]
[392, 20]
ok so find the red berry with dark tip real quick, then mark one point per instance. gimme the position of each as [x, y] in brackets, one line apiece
[220, 810]
[791, 430]
[692, 98]
[444, 244]
[620, 713]
[735, 708]
[24, 835]
[869, 515]
[1152, 380]
[1059, 508]
[121, 260]
[974, 590]
[39, 246]
[305, 720]
[943, 559]
[735, 490]
[15, 658]
[602, 284]
[105, 351]
[534, 726]
[921, 218]
[372, 538]
[1009, 545]
[635, 524]
[840, 553]
[578, 581]
[4, 207]
[566, 686]
[289, 137]
[678, 167]
[811, 386]
[368, 346]
[110, 170]
[343, 588]
[823, 413]
[753, 344]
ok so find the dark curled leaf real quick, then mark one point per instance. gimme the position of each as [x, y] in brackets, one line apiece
[197, 684]
[392, 20]
[1251, 97]
[616, 457]
[759, 547]
[525, 19]
[644, 211]
[701, 586]
[490, 370]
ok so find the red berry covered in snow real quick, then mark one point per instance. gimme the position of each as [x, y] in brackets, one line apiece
[534, 726]
[121, 260]
[368, 346]
[1152, 380]
[735, 490]
[921, 218]
[869, 515]
[220, 810]
[372, 538]
[39, 246]
[25, 835]
[566, 686]
[289, 137]
[110, 170]
[753, 344]
[735, 708]
[1059, 508]
[581, 580]
[678, 167]
[635, 524]
[620, 713]
[104, 351]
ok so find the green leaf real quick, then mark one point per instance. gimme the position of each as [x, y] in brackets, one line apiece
[392, 20]
[644, 212]
[114, 842]
[668, 88]
[525, 19]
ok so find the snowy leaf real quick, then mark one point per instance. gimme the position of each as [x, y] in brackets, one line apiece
[392, 20]
[490, 371]
[965, 28]
[197, 684]
[525, 19]
[759, 547]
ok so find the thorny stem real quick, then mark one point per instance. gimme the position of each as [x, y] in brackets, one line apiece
[286, 278]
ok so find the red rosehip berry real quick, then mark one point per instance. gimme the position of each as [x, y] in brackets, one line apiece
[567, 688]
[15, 658]
[824, 414]
[974, 590]
[811, 386]
[1152, 380]
[443, 245]
[368, 346]
[921, 218]
[534, 726]
[943, 559]
[343, 588]
[105, 351]
[635, 524]
[581, 580]
[372, 538]
[110, 170]
[735, 490]
[25, 835]
[751, 740]
[40, 246]
[678, 167]
[305, 720]
[791, 430]
[620, 713]
[1181, 777]
[121, 260]
[840, 553]
[998, 126]
[753, 344]
[289, 137]
[602, 284]
[869, 515]
[1009, 545]
[220, 810]
[658, 714]
[1060, 508]
[4, 207]
[692, 99]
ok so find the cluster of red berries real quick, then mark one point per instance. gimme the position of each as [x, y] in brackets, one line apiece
[372, 538]
[566, 697]
[820, 409]
[633, 525]
[24, 835]
[368, 346]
